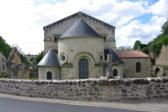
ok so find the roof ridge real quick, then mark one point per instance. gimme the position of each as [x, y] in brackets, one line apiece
[79, 12]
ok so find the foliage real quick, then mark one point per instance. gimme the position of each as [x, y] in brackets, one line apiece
[137, 45]
[3, 75]
[124, 48]
[165, 27]
[38, 57]
[155, 45]
[24, 59]
[4, 47]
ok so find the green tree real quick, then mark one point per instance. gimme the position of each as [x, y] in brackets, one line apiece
[165, 27]
[38, 57]
[137, 45]
[4, 47]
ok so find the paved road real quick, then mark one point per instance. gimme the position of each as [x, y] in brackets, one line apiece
[13, 105]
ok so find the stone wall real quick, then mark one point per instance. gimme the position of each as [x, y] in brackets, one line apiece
[130, 67]
[162, 59]
[88, 90]
[43, 72]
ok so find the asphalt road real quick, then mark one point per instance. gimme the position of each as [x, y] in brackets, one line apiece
[12, 105]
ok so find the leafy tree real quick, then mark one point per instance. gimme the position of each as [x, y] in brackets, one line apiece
[24, 59]
[4, 47]
[38, 57]
[165, 27]
[137, 45]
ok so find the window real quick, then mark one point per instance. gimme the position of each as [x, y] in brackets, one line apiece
[138, 67]
[83, 68]
[63, 58]
[49, 75]
[157, 70]
[3, 67]
[101, 57]
[55, 39]
[115, 72]
[104, 38]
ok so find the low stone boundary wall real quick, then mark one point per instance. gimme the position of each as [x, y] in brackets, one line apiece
[88, 90]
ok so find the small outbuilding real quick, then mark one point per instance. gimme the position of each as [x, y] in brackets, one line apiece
[49, 66]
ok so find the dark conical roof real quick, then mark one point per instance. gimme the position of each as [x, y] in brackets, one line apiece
[80, 29]
[50, 59]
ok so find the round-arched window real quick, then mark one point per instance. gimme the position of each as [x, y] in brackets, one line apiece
[83, 68]
[55, 39]
[138, 67]
[157, 70]
[63, 57]
[101, 57]
[115, 72]
[49, 75]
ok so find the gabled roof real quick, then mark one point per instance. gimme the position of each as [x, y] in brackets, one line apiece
[132, 54]
[115, 57]
[50, 59]
[80, 29]
[11, 54]
[76, 14]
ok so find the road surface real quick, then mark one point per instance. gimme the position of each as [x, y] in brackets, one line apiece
[16, 105]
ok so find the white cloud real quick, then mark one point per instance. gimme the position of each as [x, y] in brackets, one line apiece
[21, 21]
[160, 8]
[122, 12]
[127, 35]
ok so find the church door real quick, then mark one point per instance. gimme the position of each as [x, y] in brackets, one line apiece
[83, 68]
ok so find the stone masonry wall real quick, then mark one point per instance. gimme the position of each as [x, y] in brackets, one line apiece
[162, 59]
[88, 90]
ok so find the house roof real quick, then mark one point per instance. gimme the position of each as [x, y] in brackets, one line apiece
[11, 54]
[77, 14]
[132, 54]
[50, 59]
[115, 58]
[80, 29]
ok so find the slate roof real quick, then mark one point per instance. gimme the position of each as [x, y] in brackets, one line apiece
[115, 58]
[50, 59]
[80, 29]
[132, 54]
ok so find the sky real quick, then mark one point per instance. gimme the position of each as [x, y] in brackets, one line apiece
[22, 21]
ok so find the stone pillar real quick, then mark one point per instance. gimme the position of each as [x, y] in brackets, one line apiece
[109, 67]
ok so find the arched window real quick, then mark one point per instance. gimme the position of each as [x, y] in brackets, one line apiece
[83, 68]
[157, 70]
[115, 72]
[49, 75]
[101, 57]
[138, 67]
[55, 39]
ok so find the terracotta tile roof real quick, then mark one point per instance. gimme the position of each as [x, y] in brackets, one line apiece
[132, 54]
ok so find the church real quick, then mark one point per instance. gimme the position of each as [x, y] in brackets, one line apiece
[80, 47]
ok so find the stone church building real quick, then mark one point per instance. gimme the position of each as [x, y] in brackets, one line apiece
[81, 46]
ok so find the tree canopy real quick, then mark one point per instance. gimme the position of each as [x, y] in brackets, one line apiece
[155, 45]
[4, 47]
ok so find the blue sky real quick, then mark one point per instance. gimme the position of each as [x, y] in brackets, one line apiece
[22, 21]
